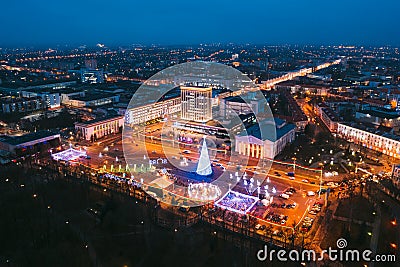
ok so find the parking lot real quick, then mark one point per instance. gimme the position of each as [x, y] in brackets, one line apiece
[294, 208]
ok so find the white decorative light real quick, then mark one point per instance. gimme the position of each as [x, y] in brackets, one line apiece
[237, 202]
[204, 191]
[69, 154]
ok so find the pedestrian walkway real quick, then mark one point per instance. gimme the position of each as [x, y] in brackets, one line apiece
[375, 232]
[345, 219]
[323, 227]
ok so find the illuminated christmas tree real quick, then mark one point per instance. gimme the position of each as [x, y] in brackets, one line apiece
[204, 164]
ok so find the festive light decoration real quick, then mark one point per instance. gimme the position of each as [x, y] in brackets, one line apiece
[237, 202]
[204, 164]
[114, 177]
[69, 154]
[204, 191]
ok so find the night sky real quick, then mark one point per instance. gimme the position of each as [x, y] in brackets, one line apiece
[124, 22]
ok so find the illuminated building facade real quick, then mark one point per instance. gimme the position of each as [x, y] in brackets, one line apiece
[379, 116]
[92, 76]
[196, 103]
[29, 143]
[97, 128]
[50, 99]
[385, 143]
[253, 144]
[91, 99]
[396, 175]
[149, 112]
[170, 104]
[238, 105]
[10, 104]
[329, 117]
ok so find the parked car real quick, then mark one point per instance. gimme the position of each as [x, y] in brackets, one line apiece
[284, 196]
[310, 193]
[260, 227]
[291, 174]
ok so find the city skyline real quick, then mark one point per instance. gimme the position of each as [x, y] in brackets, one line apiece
[50, 23]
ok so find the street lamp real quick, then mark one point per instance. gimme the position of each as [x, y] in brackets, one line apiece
[294, 165]
[320, 180]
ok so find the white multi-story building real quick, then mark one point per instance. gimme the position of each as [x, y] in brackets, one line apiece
[253, 143]
[329, 118]
[240, 105]
[29, 143]
[92, 75]
[49, 86]
[50, 99]
[379, 116]
[91, 100]
[98, 128]
[196, 103]
[152, 111]
[68, 95]
[169, 105]
[396, 175]
[388, 144]
[10, 104]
